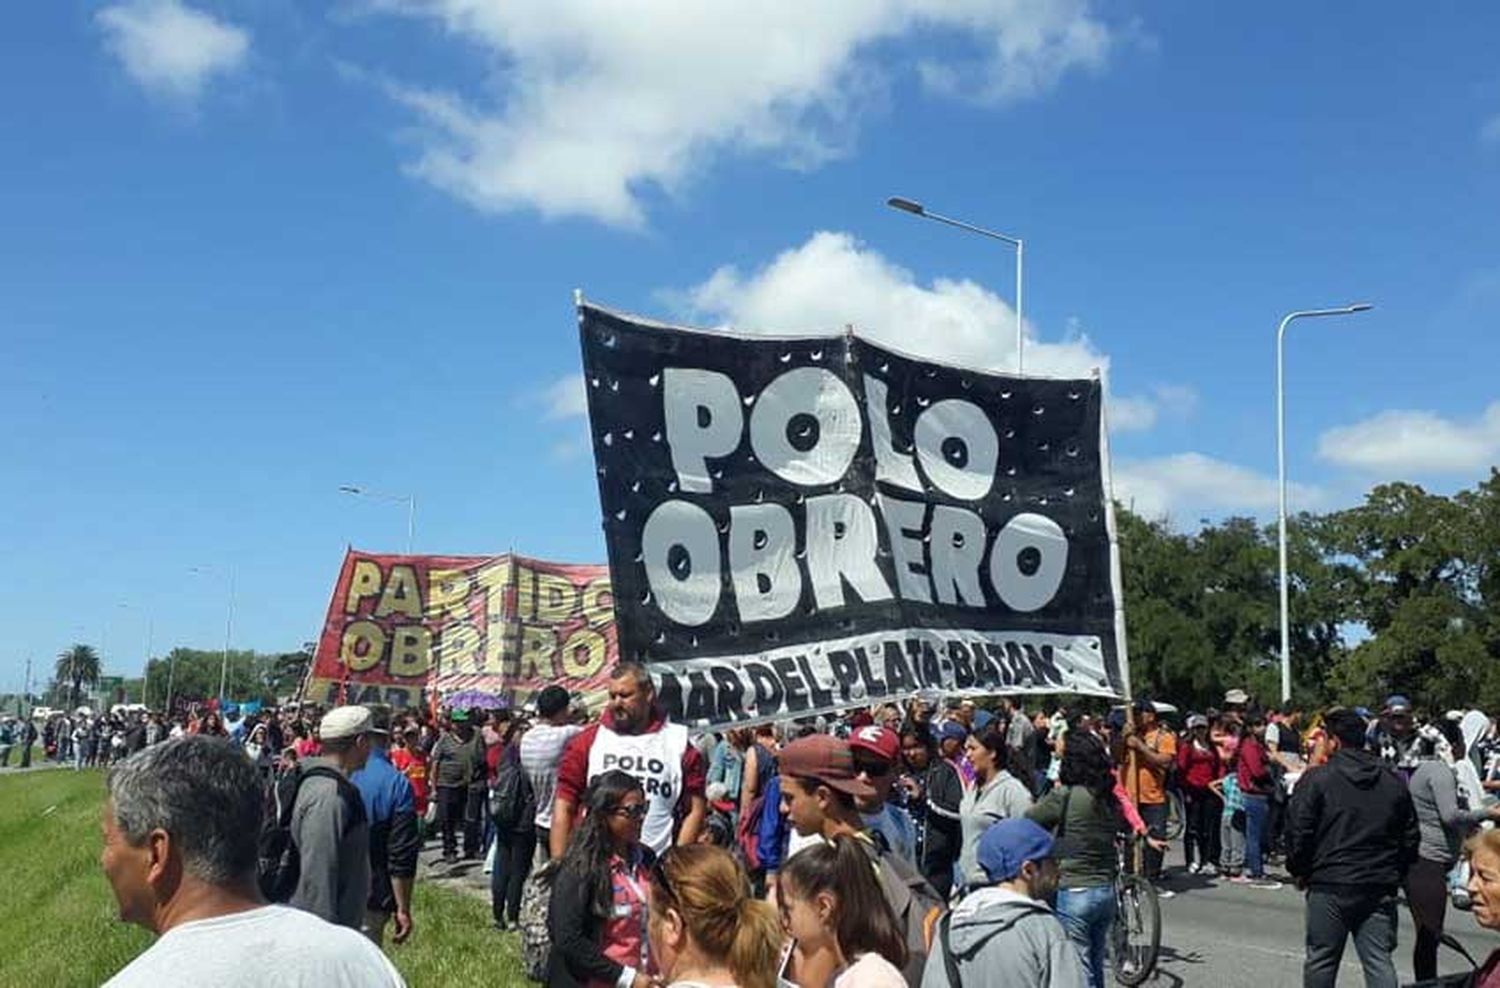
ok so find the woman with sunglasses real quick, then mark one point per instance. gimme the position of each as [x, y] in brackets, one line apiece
[598, 914]
[706, 929]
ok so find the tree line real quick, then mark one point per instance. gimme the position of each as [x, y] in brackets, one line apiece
[1398, 594]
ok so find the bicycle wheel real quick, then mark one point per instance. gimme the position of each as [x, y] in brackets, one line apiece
[1136, 938]
[1176, 815]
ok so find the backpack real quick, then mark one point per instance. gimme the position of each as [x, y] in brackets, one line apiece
[279, 865]
[919, 917]
[748, 836]
[512, 800]
[536, 942]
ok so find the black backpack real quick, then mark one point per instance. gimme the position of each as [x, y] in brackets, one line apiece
[512, 800]
[280, 863]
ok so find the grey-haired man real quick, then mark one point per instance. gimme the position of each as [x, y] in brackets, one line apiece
[181, 830]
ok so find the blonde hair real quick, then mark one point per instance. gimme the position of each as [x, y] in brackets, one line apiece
[711, 892]
[1487, 841]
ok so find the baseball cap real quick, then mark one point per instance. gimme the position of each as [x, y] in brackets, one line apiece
[1197, 720]
[459, 716]
[1009, 844]
[827, 759]
[552, 700]
[954, 730]
[1239, 697]
[1397, 704]
[983, 719]
[345, 722]
[877, 740]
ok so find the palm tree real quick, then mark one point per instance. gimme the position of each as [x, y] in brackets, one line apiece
[76, 666]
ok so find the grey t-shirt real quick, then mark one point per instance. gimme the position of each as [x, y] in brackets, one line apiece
[269, 945]
[1443, 820]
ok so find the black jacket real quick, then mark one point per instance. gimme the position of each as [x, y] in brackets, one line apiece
[577, 955]
[1351, 823]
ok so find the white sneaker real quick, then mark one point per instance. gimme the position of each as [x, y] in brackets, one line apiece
[1194, 868]
[1209, 871]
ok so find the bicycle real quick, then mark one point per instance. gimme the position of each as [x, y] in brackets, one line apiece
[1135, 938]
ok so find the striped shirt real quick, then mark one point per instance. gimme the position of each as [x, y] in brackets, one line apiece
[541, 751]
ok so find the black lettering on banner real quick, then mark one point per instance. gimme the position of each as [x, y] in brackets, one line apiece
[700, 699]
[821, 699]
[731, 695]
[767, 689]
[898, 678]
[791, 682]
[779, 510]
[963, 673]
[845, 671]
[874, 685]
[669, 693]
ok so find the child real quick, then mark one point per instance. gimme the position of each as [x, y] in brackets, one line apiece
[1231, 827]
[846, 934]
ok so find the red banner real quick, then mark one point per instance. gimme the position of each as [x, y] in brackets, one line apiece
[502, 625]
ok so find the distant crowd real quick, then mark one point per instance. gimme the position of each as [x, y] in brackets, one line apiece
[914, 844]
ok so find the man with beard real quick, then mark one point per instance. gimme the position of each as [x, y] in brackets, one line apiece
[635, 736]
[1004, 934]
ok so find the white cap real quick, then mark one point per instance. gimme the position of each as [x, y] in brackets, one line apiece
[345, 722]
[1236, 696]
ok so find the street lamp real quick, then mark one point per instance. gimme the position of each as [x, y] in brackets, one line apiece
[1286, 629]
[410, 500]
[228, 628]
[917, 209]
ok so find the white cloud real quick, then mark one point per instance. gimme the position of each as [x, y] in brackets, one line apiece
[1489, 131]
[566, 398]
[832, 281]
[592, 104]
[170, 49]
[1138, 413]
[1415, 442]
[1192, 484]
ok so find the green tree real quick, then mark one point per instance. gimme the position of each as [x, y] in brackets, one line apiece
[75, 666]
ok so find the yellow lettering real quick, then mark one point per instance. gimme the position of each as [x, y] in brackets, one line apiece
[402, 594]
[363, 646]
[494, 580]
[411, 651]
[458, 649]
[583, 656]
[556, 598]
[525, 593]
[365, 582]
[538, 649]
[598, 602]
[448, 593]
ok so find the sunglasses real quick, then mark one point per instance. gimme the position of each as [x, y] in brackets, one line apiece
[636, 812]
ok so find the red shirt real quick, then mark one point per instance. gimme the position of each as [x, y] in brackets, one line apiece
[1196, 766]
[414, 767]
[1253, 775]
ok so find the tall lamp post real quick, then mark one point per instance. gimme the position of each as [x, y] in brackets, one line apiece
[1286, 627]
[410, 500]
[917, 209]
[228, 629]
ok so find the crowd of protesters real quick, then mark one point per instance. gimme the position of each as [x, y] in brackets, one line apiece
[893, 845]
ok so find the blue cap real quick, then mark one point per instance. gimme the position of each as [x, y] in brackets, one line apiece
[983, 719]
[1396, 703]
[1009, 844]
[1363, 712]
[953, 729]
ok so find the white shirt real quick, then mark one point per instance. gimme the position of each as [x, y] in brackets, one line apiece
[270, 945]
[541, 750]
[870, 971]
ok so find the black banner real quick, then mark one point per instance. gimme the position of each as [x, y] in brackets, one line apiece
[802, 524]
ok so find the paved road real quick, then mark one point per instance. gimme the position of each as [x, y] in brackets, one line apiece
[1231, 936]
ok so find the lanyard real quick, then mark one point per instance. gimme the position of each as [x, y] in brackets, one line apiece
[638, 895]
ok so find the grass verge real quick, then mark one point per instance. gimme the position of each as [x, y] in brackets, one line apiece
[58, 916]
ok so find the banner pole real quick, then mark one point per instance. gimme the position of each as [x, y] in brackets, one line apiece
[1122, 654]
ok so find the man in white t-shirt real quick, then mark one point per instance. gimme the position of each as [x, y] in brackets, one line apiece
[181, 828]
[541, 751]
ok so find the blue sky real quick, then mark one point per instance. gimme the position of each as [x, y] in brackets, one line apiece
[250, 252]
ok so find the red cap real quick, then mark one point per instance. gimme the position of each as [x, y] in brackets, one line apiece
[827, 759]
[878, 740]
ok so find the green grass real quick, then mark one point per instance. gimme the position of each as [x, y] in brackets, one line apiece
[59, 921]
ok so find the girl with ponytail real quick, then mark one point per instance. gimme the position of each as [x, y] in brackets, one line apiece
[832, 903]
[706, 929]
